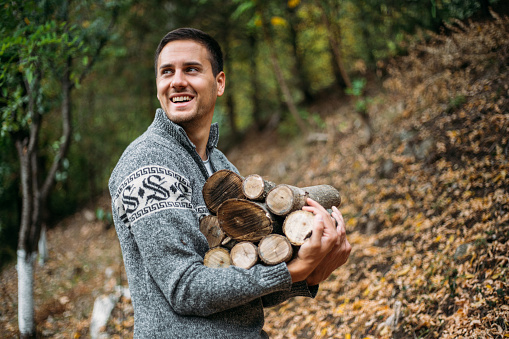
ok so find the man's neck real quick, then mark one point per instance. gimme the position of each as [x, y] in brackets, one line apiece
[199, 137]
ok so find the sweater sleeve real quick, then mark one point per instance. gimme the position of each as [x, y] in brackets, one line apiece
[299, 289]
[166, 232]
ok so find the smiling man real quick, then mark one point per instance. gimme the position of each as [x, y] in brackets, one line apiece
[157, 202]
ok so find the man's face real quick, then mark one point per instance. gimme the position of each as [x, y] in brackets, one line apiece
[186, 86]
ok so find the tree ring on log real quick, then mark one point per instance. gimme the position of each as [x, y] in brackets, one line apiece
[298, 226]
[221, 186]
[274, 249]
[217, 257]
[244, 254]
[244, 220]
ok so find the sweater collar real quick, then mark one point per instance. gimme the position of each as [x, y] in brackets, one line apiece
[162, 122]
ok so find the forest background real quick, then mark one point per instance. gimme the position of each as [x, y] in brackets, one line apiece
[280, 57]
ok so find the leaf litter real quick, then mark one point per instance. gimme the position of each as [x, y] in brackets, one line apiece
[426, 206]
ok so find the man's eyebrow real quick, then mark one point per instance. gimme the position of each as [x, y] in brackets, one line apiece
[187, 63]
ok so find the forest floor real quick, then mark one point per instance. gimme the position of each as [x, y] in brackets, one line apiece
[426, 203]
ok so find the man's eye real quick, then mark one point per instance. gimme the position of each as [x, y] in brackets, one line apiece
[192, 69]
[167, 71]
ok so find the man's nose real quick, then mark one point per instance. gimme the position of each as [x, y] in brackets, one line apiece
[179, 79]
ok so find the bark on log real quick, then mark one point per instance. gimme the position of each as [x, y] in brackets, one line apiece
[229, 243]
[244, 220]
[274, 249]
[298, 226]
[256, 188]
[221, 186]
[209, 226]
[284, 199]
[244, 254]
[217, 257]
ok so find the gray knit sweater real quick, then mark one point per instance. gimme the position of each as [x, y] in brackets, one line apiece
[156, 191]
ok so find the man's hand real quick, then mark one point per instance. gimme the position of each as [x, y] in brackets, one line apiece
[337, 256]
[323, 240]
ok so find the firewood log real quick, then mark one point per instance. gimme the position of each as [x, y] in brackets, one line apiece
[209, 226]
[229, 243]
[221, 186]
[298, 226]
[256, 188]
[274, 249]
[217, 257]
[284, 199]
[244, 254]
[244, 220]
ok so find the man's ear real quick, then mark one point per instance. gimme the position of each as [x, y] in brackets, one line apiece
[221, 83]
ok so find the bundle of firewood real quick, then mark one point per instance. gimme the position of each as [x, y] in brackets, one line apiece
[254, 219]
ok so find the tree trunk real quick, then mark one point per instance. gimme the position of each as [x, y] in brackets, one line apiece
[284, 199]
[334, 43]
[25, 268]
[217, 257]
[42, 246]
[256, 188]
[244, 254]
[230, 104]
[304, 82]
[274, 249]
[298, 226]
[244, 220]
[255, 99]
[290, 103]
[221, 186]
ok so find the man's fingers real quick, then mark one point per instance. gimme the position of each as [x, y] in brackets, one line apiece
[317, 233]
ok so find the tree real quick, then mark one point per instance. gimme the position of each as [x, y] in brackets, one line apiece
[47, 49]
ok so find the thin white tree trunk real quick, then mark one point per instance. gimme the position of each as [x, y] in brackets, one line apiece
[43, 246]
[25, 267]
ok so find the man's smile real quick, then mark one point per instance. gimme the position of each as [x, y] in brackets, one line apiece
[181, 98]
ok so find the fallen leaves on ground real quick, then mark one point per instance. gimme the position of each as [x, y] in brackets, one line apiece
[426, 205]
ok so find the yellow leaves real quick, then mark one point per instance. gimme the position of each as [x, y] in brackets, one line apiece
[293, 3]
[357, 305]
[403, 271]
[26, 21]
[278, 21]
[453, 135]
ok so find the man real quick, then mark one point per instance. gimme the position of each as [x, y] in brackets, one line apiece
[156, 191]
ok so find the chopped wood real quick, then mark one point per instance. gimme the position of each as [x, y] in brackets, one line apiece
[244, 220]
[284, 199]
[217, 257]
[209, 226]
[298, 226]
[244, 254]
[221, 186]
[274, 249]
[255, 187]
[229, 243]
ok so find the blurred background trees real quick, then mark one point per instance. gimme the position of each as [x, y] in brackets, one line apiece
[280, 56]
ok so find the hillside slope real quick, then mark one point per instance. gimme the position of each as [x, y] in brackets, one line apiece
[426, 205]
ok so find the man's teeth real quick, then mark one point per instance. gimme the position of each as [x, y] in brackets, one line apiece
[181, 99]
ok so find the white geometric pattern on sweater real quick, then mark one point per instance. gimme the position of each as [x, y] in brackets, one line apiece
[150, 189]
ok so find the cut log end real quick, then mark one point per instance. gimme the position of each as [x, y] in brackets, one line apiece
[281, 200]
[217, 258]
[274, 249]
[298, 226]
[209, 226]
[255, 187]
[221, 186]
[244, 220]
[244, 254]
